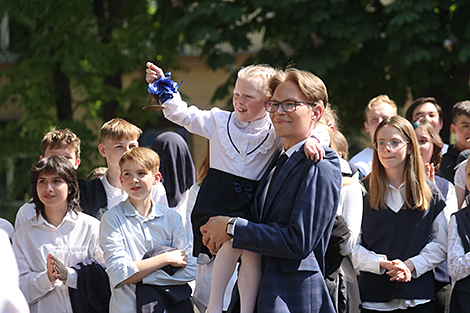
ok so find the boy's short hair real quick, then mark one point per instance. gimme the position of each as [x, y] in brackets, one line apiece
[379, 99]
[117, 129]
[262, 72]
[97, 173]
[145, 157]
[60, 139]
[460, 108]
[419, 101]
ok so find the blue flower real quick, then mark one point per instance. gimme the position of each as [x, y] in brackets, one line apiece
[164, 87]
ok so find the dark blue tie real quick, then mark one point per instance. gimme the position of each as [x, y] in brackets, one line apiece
[280, 162]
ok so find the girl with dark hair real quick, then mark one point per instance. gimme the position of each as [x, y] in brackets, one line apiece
[58, 237]
[430, 146]
[404, 228]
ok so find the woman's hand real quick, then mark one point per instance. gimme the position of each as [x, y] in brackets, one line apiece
[51, 274]
[153, 73]
[60, 270]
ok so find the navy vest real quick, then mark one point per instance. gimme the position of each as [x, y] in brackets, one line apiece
[401, 236]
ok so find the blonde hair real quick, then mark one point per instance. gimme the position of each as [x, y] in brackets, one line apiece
[117, 129]
[340, 144]
[202, 170]
[329, 117]
[417, 191]
[311, 86]
[145, 157]
[60, 139]
[380, 99]
[261, 72]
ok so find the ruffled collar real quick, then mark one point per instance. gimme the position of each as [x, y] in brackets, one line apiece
[236, 131]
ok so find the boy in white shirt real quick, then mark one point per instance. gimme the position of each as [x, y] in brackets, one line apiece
[138, 225]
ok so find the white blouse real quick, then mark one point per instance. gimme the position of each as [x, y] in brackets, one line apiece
[73, 241]
[458, 262]
[255, 141]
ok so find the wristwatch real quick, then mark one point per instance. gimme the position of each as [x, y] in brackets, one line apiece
[230, 229]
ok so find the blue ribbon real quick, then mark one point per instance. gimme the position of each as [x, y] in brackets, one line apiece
[239, 187]
[164, 87]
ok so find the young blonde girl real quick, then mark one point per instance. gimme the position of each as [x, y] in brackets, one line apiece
[404, 229]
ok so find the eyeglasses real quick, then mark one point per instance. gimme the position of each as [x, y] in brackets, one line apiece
[393, 145]
[287, 105]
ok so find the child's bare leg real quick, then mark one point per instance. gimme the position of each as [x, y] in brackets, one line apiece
[249, 278]
[224, 265]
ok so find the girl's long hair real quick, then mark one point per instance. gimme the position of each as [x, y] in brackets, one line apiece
[62, 167]
[417, 191]
[436, 140]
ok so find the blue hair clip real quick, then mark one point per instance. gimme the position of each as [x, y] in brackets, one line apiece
[415, 124]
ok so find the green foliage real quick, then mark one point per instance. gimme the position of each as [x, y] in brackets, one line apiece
[360, 48]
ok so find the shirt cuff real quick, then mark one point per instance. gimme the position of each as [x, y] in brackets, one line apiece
[45, 283]
[72, 278]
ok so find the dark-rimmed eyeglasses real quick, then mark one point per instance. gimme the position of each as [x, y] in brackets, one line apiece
[393, 145]
[287, 105]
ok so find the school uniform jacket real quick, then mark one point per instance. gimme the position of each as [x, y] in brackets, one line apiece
[292, 233]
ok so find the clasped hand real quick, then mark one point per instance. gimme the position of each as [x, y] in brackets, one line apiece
[397, 270]
[55, 269]
[214, 233]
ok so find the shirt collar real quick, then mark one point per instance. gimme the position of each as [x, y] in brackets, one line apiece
[129, 210]
[70, 216]
[258, 124]
[294, 148]
[110, 189]
[396, 197]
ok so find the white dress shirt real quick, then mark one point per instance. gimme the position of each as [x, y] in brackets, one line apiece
[363, 160]
[350, 207]
[125, 236]
[433, 254]
[6, 226]
[74, 240]
[11, 297]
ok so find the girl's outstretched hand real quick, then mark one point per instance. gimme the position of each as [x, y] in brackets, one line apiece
[153, 72]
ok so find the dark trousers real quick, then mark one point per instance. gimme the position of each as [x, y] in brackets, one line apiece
[442, 294]
[422, 308]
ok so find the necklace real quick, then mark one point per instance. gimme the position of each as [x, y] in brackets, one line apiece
[233, 144]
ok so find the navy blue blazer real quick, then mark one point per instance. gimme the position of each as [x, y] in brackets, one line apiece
[292, 231]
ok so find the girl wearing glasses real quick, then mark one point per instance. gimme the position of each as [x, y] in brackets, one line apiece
[404, 228]
[242, 145]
